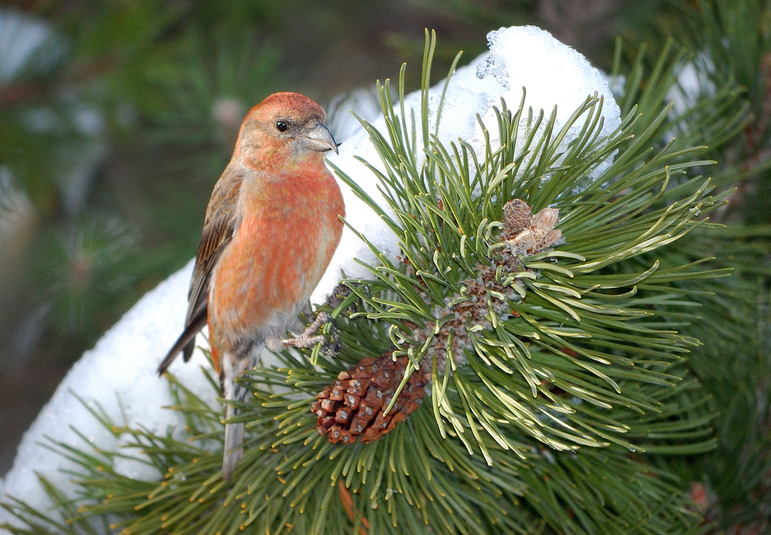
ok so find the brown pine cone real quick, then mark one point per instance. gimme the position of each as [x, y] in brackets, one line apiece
[352, 407]
[516, 218]
[528, 234]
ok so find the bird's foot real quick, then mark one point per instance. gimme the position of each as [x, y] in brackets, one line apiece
[305, 339]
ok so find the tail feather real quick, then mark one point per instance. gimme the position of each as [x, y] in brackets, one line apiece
[186, 340]
[232, 368]
[187, 352]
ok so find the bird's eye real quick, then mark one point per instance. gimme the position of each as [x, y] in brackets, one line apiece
[281, 126]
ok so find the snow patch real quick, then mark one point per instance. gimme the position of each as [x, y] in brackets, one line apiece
[692, 83]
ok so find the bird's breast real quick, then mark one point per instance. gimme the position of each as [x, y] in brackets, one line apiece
[286, 238]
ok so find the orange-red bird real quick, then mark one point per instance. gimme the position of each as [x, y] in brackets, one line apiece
[272, 224]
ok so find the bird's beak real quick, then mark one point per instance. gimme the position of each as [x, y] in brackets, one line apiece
[319, 138]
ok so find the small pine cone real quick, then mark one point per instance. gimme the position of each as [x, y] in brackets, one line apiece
[353, 407]
[516, 217]
[528, 234]
[543, 228]
[546, 219]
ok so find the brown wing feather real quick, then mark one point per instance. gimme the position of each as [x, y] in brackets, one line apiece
[218, 228]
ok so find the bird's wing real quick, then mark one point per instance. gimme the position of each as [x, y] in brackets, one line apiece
[219, 226]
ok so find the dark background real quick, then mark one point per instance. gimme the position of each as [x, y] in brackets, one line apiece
[113, 131]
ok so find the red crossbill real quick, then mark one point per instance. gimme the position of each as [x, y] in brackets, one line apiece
[271, 227]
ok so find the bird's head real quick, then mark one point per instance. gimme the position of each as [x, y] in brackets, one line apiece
[284, 126]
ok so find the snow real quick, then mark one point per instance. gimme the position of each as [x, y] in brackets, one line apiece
[340, 111]
[692, 82]
[119, 373]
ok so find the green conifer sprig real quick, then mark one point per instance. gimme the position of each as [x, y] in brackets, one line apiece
[561, 301]
[730, 315]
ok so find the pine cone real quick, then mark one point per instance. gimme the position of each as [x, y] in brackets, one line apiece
[352, 407]
[516, 218]
[528, 234]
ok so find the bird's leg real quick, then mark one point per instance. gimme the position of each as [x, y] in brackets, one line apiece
[305, 339]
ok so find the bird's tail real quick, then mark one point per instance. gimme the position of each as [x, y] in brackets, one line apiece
[232, 368]
[186, 340]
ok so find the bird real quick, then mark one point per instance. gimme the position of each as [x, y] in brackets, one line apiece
[271, 227]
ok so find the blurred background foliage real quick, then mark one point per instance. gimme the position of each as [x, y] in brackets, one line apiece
[117, 116]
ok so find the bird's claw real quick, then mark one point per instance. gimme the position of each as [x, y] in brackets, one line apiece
[305, 339]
